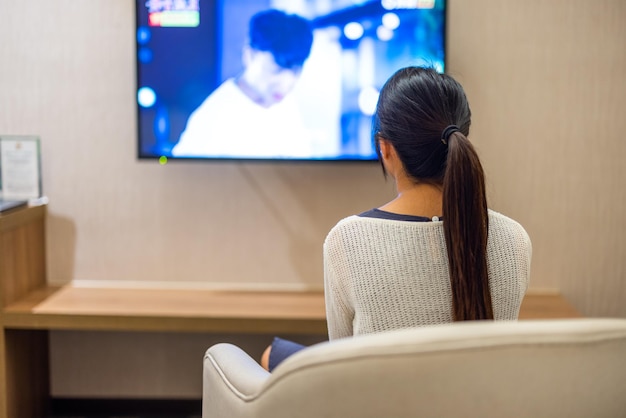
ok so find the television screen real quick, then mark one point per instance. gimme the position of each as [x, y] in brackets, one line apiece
[273, 80]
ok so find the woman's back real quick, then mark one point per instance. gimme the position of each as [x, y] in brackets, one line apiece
[384, 274]
[390, 273]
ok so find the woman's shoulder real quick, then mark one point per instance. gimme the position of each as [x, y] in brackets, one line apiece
[500, 218]
[370, 217]
[347, 222]
[502, 227]
[376, 225]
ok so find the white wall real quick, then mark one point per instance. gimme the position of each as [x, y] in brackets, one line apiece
[68, 75]
[548, 93]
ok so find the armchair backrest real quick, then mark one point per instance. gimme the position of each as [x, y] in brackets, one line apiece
[543, 368]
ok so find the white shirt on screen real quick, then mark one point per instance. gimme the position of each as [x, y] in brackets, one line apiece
[229, 124]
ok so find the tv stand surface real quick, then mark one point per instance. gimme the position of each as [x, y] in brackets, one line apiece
[30, 308]
[196, 310]
[168, 310]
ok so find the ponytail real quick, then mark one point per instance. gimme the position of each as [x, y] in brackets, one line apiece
[413, 109]
[466, 226]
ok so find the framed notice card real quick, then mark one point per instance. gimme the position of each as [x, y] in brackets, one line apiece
[20, 167]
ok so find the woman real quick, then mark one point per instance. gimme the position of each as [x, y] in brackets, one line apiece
[436, 253]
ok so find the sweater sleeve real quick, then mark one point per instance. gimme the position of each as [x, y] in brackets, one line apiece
[339, 311]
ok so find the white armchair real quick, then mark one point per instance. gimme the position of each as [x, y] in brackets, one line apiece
[541, 368]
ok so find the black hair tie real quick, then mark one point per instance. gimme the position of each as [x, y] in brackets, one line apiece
[445, 135]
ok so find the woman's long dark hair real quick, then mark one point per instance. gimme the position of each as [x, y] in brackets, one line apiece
[414, 108]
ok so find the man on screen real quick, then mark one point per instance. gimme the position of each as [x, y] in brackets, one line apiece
[251, 116]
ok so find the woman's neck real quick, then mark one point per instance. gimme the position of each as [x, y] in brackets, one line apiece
[417, 199]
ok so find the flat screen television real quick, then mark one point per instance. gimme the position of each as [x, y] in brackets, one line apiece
[198, 62]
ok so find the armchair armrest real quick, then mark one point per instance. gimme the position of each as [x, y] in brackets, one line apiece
[231, 378]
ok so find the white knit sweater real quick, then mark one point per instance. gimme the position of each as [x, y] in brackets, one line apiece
[383, 274]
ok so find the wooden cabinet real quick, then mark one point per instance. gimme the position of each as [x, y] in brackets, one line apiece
[24, 370]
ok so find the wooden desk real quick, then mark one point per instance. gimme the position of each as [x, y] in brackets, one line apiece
[546, 305]
[169, 310]
[30, 308]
